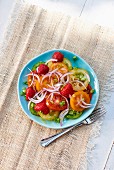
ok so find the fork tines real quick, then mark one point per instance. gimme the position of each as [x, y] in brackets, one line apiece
[97, 113]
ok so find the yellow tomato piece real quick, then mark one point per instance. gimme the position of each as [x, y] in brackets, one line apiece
[62, 68]
[74, 100]
[50, 116]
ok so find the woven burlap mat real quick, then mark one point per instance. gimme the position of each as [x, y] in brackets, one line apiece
[32, 31]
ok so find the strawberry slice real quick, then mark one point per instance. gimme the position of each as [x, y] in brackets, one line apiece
[30, 92]
[59, 56]
[43, 69]
[42, 107]
[67, 90]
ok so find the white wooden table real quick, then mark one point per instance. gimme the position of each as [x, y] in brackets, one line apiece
[102, 13]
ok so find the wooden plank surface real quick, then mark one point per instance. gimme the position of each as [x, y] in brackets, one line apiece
[100, 12]
[110, 160]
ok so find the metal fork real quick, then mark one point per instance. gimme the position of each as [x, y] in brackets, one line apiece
[96, 114]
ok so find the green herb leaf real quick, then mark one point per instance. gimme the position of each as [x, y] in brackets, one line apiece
[57, 120]
[92, 91]
[25, 83]
[74, 57]
[23, 92]
[62, 103]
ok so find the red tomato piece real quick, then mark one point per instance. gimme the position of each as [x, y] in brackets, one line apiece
[43, 69]
[42, 107]
[30, 92]
[67, 90]
[56, 103]
[89, 88]
[58, 55]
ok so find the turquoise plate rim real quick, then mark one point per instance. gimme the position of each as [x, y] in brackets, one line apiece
[67, 123]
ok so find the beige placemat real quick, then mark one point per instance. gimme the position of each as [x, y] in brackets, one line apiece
[32, 31]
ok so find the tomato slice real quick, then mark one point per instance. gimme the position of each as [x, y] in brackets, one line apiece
[62, 68]
[57, 102]
[75, 100]
[50, 116]
[81, 75]
[47, 82]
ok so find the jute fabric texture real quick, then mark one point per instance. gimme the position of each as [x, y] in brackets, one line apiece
[32, 31]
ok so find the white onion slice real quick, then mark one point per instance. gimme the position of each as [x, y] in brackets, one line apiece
[50, 60]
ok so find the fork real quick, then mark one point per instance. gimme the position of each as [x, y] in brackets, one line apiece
[96, 114]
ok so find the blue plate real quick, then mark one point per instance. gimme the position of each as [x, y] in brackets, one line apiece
[80, 63]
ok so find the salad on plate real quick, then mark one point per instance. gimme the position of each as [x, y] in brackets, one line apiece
[56, 90]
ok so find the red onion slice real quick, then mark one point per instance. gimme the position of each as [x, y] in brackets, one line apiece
[29, 105]
[37, 69]
[87, 77]
[62, 115]
[80, 83]
[50, 60]
[63, 76]
[59, 74]
[51, 90]
[84, 106]
[39, 100]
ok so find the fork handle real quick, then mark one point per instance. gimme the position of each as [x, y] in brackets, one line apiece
[45, 142]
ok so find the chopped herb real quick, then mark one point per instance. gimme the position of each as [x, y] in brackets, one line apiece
[73, 114]
[92, 91]
[83, 78]
[25, 83]
[23, 92]
[32, 105]
[75, 68]
[62, 103]
[74, 57]
[57, 120]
